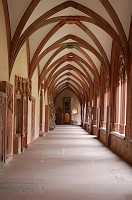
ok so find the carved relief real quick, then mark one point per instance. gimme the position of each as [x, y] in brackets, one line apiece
[67, 104]
[89, 119]
[6, 117]
[9, 118]
[23, 87]
[23, 91]
[51, 116]
[2, 126]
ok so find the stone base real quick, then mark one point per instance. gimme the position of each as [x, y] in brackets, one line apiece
[1, 166]
[17, 145]
[51, 128]
[42, 134]
[8, 159]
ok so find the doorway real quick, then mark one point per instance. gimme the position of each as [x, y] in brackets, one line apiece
[66, 110]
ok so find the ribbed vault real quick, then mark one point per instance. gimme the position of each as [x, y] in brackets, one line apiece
[68, 40]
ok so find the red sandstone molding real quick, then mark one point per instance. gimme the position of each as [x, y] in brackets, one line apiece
[129, 89]
[41, 45]
[85, 29]
[98, 44]
[55, 82]
[80, 89]
[64, 59]
[76, 59]
[8, 30]
[63, 69]
[46, 22]
[69, 86]
[28, 54]
[53, 75]
[69, 74]
[84, 44]
[60, 71]
[116, 21]
[22, 23]
[79, 93]
[95, 71]
[40, 22]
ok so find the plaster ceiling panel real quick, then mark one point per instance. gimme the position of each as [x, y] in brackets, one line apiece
[78, 67]
[89, 72]
[70, 29]
[74, 73]
[61, 66]
[66, 51]
[98, 8]
[69, 40]
[45, 6]
[102, 36]
[124, 12]
[36, 38]
[41, 8]
[16, 10]
[75, 51]
[69, 12]
[62, 53]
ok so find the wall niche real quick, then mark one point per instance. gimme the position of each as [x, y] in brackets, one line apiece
[22, 93]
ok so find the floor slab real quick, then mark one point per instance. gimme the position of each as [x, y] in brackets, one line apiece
[66, 164]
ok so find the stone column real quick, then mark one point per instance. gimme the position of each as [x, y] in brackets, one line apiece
[46, 118]
[113, 86]
[129, 92]
[46, 112]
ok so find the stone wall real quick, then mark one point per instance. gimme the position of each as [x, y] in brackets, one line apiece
[103, 136]
[122, 147]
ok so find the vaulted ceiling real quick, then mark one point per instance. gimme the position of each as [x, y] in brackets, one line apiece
[68, 40]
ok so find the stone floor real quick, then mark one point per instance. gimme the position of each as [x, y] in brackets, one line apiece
[66, 164]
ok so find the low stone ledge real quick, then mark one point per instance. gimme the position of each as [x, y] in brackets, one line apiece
[102, 129]
[120, 135]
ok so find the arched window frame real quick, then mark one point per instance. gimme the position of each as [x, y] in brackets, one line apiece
[121, 96]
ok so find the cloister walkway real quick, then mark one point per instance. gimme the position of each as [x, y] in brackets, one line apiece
[66, 164]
